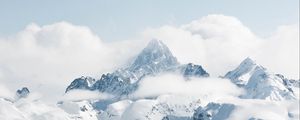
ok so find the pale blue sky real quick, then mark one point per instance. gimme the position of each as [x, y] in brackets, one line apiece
[120, 19]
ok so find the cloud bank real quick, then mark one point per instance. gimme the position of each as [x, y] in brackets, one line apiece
[206, 88]
[47, 58]
[78, 95]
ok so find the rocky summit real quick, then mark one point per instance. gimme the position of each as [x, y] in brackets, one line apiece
[156, 58]
[260, 83]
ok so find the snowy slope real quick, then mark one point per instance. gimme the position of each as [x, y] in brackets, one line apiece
[79, 110]
[261, 83]
[9, 112]
[214, 111]
[26, 107]
[164, 105]
[241, 75]
[248, 109]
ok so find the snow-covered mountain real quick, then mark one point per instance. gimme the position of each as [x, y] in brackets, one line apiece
[155, 59]
[247, 109]
[214, 111]
[243, 72]
[26, 107]
[261, 83]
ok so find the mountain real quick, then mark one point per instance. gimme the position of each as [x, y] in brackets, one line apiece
[79, 110]
[163, 107]
[9, 112]
[214, 111]
[81, 83]
[260, 83]
[192, 70]
[243, 72]
[26, 108]
[248, 109]
[267, 95]
[155, 59]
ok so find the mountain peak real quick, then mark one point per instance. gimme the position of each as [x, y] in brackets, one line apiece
[261, 83]
[248, 61]
[241, 74]
[155, 57]
[156, 44]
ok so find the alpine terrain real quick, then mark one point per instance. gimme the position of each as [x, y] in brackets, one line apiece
[190, 94]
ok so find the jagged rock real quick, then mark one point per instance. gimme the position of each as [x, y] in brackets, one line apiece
[22, 93]
[191, 69]
[81, 83]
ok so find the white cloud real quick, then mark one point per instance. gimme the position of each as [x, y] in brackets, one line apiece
[78, 95]
[212, 41]
[280, 52]
[47, 58]
[183, 44]
[5, 92]
[205, 88]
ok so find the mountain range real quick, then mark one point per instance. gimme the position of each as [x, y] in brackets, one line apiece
[155, 59]
[261, 87]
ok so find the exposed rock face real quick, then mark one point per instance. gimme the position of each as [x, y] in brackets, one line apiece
[191, 69]
[81, 83]
[22, 93]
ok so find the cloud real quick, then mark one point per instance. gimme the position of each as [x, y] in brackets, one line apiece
[183, 44]
[206, 88]
[5, 92]
[77, 95]
[280, 51]
[47, 58]
[212, 41]
[220, 43]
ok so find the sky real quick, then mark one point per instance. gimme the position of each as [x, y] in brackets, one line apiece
[46, 44]
[122, 20]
